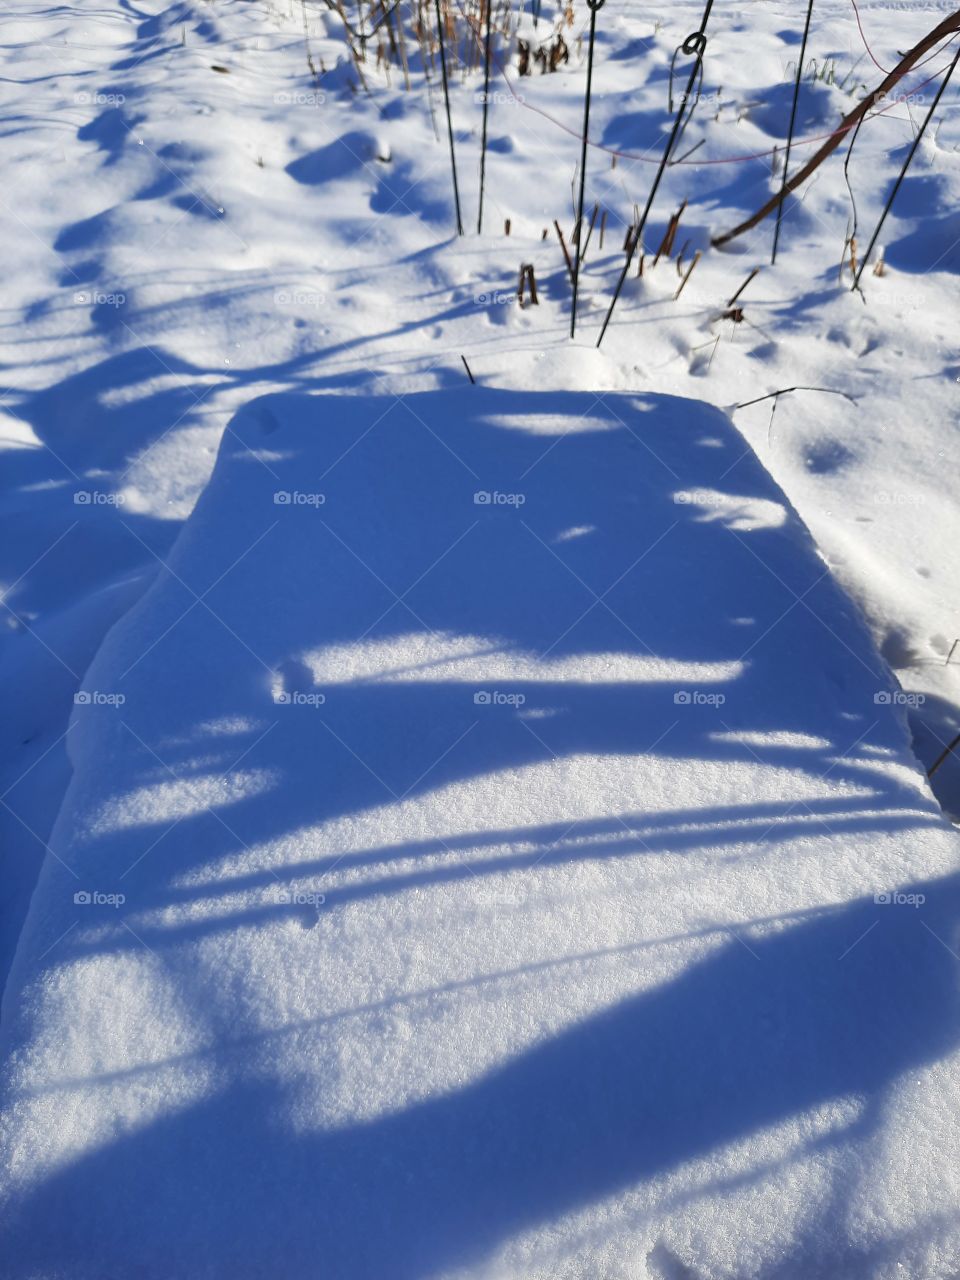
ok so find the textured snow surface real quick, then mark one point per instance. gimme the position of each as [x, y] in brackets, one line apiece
[384, 971]
[498, 878]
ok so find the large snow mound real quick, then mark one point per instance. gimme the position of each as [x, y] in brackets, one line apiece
[493, 850]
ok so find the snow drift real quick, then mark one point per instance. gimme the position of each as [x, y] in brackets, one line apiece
[493, 849]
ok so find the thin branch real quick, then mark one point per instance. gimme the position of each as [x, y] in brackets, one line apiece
[947, 27]
[361, 35]
[784, 391]
[950, 747]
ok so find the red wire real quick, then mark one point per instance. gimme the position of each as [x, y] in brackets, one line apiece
[755, 155]
[866, 45]
[923, 63]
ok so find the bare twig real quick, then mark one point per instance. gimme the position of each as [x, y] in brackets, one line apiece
[784, 391]
[947, 27]
[683, 283]
[527, 280]
[563, 246]
[666, 244]
[751, 276]
[593, 218]
[950, 747]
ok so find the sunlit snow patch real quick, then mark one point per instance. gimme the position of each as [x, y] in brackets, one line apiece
[743, 514]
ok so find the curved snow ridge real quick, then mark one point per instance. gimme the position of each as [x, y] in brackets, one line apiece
[477, 899]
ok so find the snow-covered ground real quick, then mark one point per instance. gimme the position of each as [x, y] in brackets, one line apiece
[482, 809]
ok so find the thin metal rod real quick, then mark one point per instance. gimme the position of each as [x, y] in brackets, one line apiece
[486, 105]
[446, 99]
[694, 44]
[906, 165]
[943, 755]
[593, 6]
[793, 121]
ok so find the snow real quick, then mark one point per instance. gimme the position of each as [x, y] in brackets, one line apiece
[499, 819]
[535, 904]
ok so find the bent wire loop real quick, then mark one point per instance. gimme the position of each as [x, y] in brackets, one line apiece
[694, 46]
